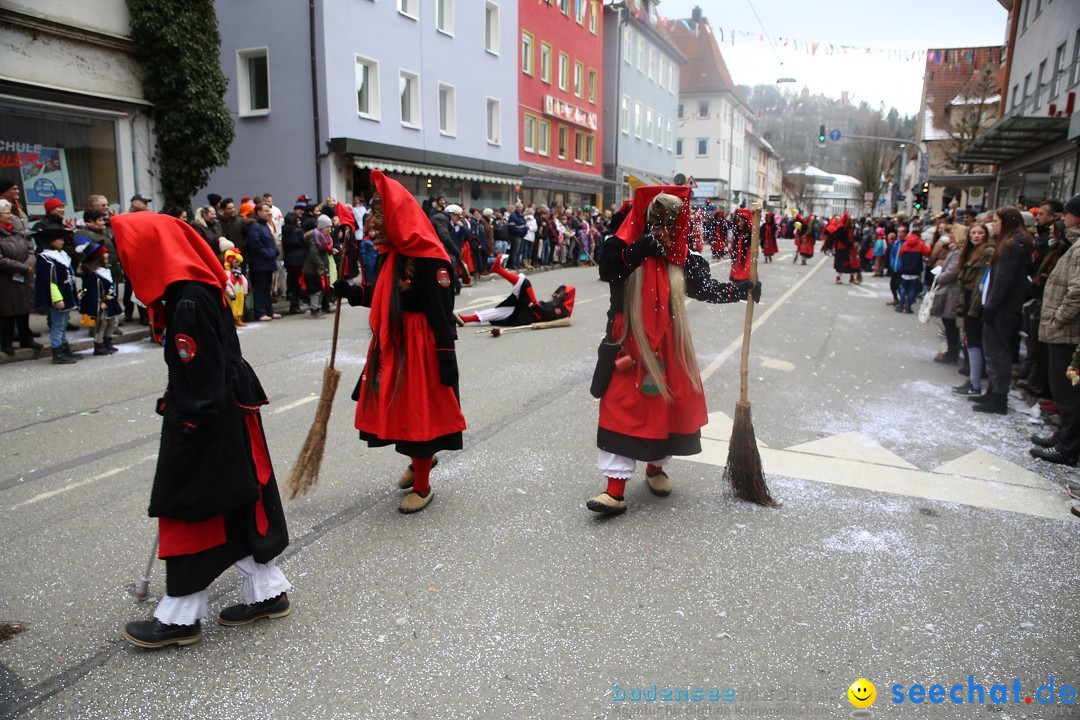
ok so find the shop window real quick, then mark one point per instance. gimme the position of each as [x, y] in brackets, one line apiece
[253, 81]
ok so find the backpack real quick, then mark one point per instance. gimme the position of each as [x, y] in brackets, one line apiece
[501, 229]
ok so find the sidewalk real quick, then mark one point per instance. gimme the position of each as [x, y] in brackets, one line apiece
[79, 340]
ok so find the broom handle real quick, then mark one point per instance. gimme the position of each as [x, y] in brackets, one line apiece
[744, 370]
[337, 323]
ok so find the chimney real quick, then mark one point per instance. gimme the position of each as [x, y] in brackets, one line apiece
[695, 16]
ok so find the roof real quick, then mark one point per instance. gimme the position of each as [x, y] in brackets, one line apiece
[809, 171]
[705, 70]
[946, 77]
[1013, 136]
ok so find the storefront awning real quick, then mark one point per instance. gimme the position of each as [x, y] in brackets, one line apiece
[559, 179]
[640, 179]
[392, 166]
[1012, 136]
[962, 180]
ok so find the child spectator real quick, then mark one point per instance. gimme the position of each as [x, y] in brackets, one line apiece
[55, 288]
[98, 296]
[317, 264]
[236, 287]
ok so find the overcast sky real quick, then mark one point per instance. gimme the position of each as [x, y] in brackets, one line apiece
[903, 25]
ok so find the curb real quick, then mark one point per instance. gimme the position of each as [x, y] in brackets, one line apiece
[129, 336]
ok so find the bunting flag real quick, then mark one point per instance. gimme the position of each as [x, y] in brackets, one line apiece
[959, 56]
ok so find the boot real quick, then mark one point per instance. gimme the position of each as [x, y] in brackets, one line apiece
[109, 346]
[996, 403]
[239, 320]
[948, 357]
[99, 349]
[30, 343]
[59, 358]
[67, 351]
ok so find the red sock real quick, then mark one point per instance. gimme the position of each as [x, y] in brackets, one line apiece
[531, 294]
[422, 469]
[653, 470]
[470, 318]
[615, 487]
[510, 277]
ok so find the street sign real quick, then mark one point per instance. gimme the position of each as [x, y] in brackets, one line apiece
[834, 135]
[868, 196]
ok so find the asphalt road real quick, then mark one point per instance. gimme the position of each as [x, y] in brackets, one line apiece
[917, 542]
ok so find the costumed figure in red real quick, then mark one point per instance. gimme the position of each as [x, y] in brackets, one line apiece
[521, 306]
[652, 405]
[214, 492]
[739, 249]
[407, 395]
[805, 236]
[768, 237]
[846, 249]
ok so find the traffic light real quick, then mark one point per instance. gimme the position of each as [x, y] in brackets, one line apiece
[821, 135]
[918, 201]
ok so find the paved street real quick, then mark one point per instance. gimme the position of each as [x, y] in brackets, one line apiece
[917, 541]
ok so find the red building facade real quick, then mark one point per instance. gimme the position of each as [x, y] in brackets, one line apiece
[560, 58]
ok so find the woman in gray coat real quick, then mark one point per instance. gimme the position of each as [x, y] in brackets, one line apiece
[17, 265]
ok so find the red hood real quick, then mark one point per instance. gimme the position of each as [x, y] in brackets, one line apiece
[345, 214]
[635, 224]
[408, 229]
[158, 250]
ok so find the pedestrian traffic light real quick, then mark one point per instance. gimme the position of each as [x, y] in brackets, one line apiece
[918, 202]
[821, 135]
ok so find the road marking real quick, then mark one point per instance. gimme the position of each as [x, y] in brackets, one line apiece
[294, 404]
[108, 473]
[737, 342]
[777, 364]
[859, 291]
[1027, 495]
[852, 446]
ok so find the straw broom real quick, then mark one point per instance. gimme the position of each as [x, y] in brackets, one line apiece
[305, 471]
[743, 469]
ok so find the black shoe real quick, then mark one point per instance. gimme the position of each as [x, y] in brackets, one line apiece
[967, 390]
[979, 399]
[1043, 441]
[66, 348]
[1052, 455]
[8, 349]
[59, 358]
[996, 403]
[948, 358]
[241, 614]
[964, 370]
[909, 311]
[31, 344]
[155, 634]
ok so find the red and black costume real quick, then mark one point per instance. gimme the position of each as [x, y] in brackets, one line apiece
[805, 237]
[521, 306]
[740, 245]
[407, 395]
[214, 492]
[846, 247]
[636, 421]
[768, 237]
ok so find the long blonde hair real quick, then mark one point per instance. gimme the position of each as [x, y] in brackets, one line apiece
[667, 206]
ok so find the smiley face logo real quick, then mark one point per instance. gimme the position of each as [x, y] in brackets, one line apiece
[862, 693]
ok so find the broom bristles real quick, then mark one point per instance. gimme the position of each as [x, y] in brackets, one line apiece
[744, 470]
[305, 471]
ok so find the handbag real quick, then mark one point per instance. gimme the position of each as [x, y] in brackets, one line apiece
[927, 303]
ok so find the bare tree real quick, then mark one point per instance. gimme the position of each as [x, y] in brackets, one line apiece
[971, 112]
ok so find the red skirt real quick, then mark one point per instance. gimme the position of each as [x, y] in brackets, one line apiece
[418, 410]
[632, 408]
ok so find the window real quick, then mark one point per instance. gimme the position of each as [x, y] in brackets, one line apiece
[564, 5]
[543, 137]
[494, 122]
[592, 86]
[579, 79]
[590, 149]
[408, 7]
[581, 8]
[564, 138]
[648, 126]
[1075, 76]
[652, 62]
[1059, 70]
[703, 109]
[671, 78]
[670, 136]
[444, 16]
[367, 87]
[624, 115]
[703, 147]
[637, 120]
[659, 130]
[640, 55]
[1038, 7]
[253, 81]
[528, 139]
[592, 17]
[564, 71]
[491, 28]
[1016, 95]
[545, 62]
[409, 94]
[678, 148]
[627, 45]
[1027, 87]
[660, 72]
[1038, 85]
[447, 109]
[1027, 7]
[679, 113]
[527, 53]
[579, 147]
